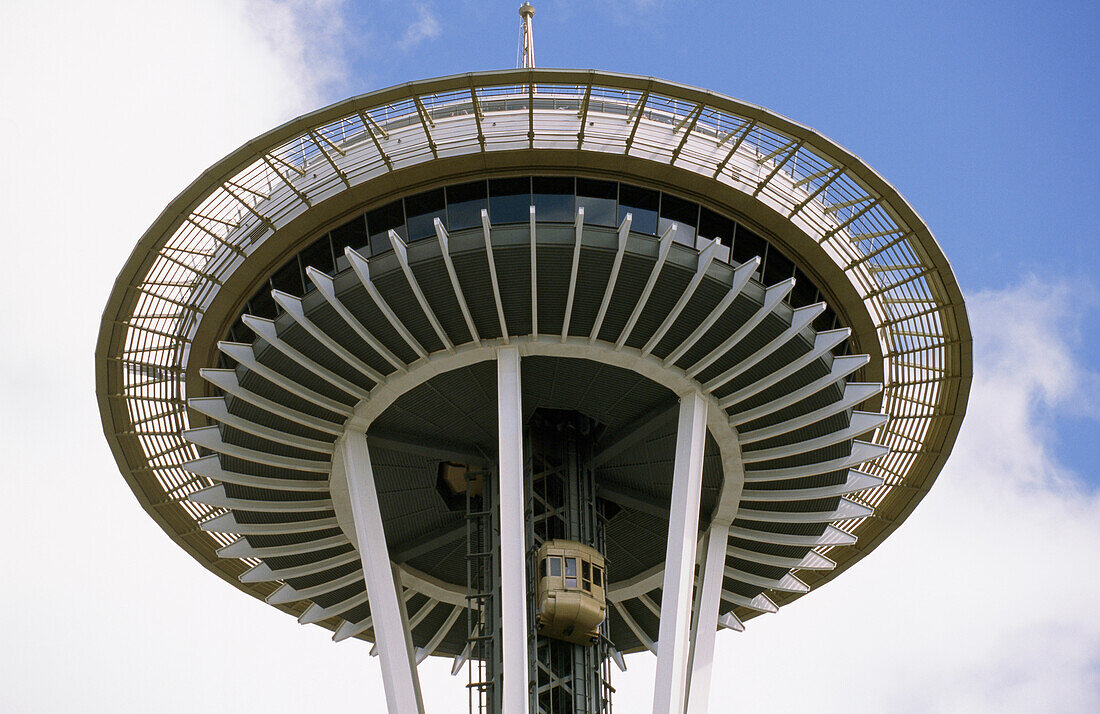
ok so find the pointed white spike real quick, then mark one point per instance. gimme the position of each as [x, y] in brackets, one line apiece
[210, 437]
[816, 561]
[862, 452]
[243, 354]
[705, 258]
[788, 583]
[800, 320]
[618, 659]
[487, 234]
[861, 423]
[812, 561]
[773, 297]
[241, 548]
[316, 613]
[311, 592]
[823, 342]
[401, 250]
[362, 269]
[266, 329]
[460, 660]
[445, 252]
[730, 622]
[624, 234]
[258, 574]
[845, 510]
[842, 367]
[226, 380]
[293, 307]
[760, 603]
[210, 466]
[227, 523]
[854, 393]
[831, 536]
[216, 496]
[313, 568]
[327, 289]
[216, 409]
[741, 276]
[655, 272]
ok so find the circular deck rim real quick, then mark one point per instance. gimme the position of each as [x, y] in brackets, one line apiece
[948, 301]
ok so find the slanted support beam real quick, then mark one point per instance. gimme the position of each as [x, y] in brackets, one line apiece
[670, 692]
[391, 623]
[704, 625]
[513, 567]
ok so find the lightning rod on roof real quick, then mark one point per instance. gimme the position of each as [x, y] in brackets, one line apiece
[526, 11]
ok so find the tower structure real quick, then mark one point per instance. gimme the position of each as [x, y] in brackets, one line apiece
[533, 369]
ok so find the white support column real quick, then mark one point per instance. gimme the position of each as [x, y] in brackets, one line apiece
[513, 565]
[670, 690]
[391, 623]
[704, 626]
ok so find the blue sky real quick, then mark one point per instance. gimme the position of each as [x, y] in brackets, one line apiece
[983, 115]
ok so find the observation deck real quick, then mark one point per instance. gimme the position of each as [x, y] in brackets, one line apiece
[219, 400]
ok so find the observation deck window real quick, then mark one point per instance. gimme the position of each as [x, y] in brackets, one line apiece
[288, 278]
[464, 204]
[598, 200]
[381, 221]
[643, 204]
[318, 255]
[552, 197]
[352, 234]
[422, 210]
[681, 212]
[509, 200]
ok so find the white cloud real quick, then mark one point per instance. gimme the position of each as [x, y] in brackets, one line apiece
[425, 27]
[983, 601]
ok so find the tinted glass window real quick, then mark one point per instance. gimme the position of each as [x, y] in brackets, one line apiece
[263, 305]
[747, 245]
[509, 200]
[421, 211]
[319, 256]
[553, 198]
[464, 205]
[288, 279]
[571, 567]
[555, 567]
[804, 292]
[382, 220]
[684, 214]
[352, 234]
[597, 576]
[643, 204]
[711, 225]
[586, 570]
[778, 267]
[598, 199]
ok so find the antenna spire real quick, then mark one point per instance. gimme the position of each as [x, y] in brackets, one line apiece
[526, 11]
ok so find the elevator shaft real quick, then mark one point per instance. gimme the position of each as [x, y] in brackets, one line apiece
[567, 677]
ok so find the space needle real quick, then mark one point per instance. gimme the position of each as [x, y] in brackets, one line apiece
[534, 369]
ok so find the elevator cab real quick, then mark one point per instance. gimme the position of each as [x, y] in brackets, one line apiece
[570, 603]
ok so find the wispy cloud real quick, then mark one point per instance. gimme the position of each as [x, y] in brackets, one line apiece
[424, 27]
